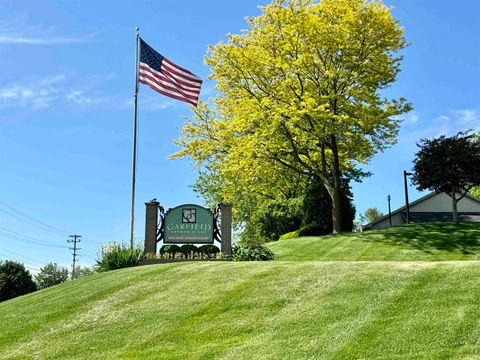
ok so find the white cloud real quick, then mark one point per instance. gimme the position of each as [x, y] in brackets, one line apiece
[17, 30]
[78, 97]
[40, 93]
[16, 95]
[151, 103]
[444, 118]
[461, 120]
[54, 79]
[208, 88]
[445, 124]
[6, 38]
[467, 116]
[411, 118]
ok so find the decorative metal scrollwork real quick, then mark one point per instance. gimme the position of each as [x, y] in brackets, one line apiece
[161, 223]
[217, 213]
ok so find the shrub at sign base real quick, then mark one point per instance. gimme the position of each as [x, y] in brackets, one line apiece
[117, 256]
[189, 251]
[252, 253]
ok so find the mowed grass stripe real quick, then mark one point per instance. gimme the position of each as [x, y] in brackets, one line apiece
[436, 317]
[191, 332]
[41, 310]
[419, 242]
[291, 291]
[317, 310]
[317, 326]
[83, 305]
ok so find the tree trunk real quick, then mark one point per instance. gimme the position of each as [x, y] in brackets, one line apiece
[337, 190]
[337, 209]
[454, 206]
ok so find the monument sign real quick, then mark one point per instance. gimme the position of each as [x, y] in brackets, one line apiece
[188, 224]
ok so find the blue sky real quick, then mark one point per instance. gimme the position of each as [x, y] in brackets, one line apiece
[66, 111]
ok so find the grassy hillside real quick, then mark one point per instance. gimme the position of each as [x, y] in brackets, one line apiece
[288, 310]
[430, 241]
[271, 310]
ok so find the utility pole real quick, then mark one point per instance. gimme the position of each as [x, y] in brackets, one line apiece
[407, 205]
[389, 210]
[75, 239]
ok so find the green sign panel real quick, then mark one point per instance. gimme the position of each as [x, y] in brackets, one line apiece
[188, 224]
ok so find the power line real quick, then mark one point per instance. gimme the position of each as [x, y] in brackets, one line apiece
[21, 256]
[26, 265]
[87, 256]
[88, 253]
[18, 234]
[37, 223]
[92, 241]
[25, 238]
[22, 237]
[31, 240]
[31, 220]
[28, 240]
[75, 240]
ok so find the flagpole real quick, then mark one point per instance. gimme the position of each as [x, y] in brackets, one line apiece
[134, 157]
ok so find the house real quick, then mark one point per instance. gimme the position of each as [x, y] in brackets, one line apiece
[436, 206]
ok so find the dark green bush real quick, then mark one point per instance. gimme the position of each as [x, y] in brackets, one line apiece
[209, 250]
[15, 280]
[170, 250]
[267, 220]
[311, 230]
[252, 253]
[117, 256]
[189, 250]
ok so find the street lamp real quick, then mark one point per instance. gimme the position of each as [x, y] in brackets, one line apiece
[405, 174]
[389, 210]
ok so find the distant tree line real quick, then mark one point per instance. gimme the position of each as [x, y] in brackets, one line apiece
[16, 280]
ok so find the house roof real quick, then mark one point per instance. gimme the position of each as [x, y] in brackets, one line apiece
[422, 199]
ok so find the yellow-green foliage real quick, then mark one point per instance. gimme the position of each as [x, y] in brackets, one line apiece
[476, 192]
[289, 235]
[299, 93]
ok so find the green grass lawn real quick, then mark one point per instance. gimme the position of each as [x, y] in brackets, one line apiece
[429, 241]
[279, 310]
[266, 310]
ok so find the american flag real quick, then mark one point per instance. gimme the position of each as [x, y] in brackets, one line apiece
[167, 78]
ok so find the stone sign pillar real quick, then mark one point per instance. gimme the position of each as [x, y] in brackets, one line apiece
[226, 228]
[151, 224]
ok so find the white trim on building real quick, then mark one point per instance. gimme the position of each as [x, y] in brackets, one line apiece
[436, 206]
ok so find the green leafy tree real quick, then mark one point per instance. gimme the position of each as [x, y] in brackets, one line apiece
[475, 191]
[15, 280]
[450, 165]
[299, 91]
[317, 207]
[312, 206]
[51, 274]
[373, 214]
[273, 218]
[81, 271]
